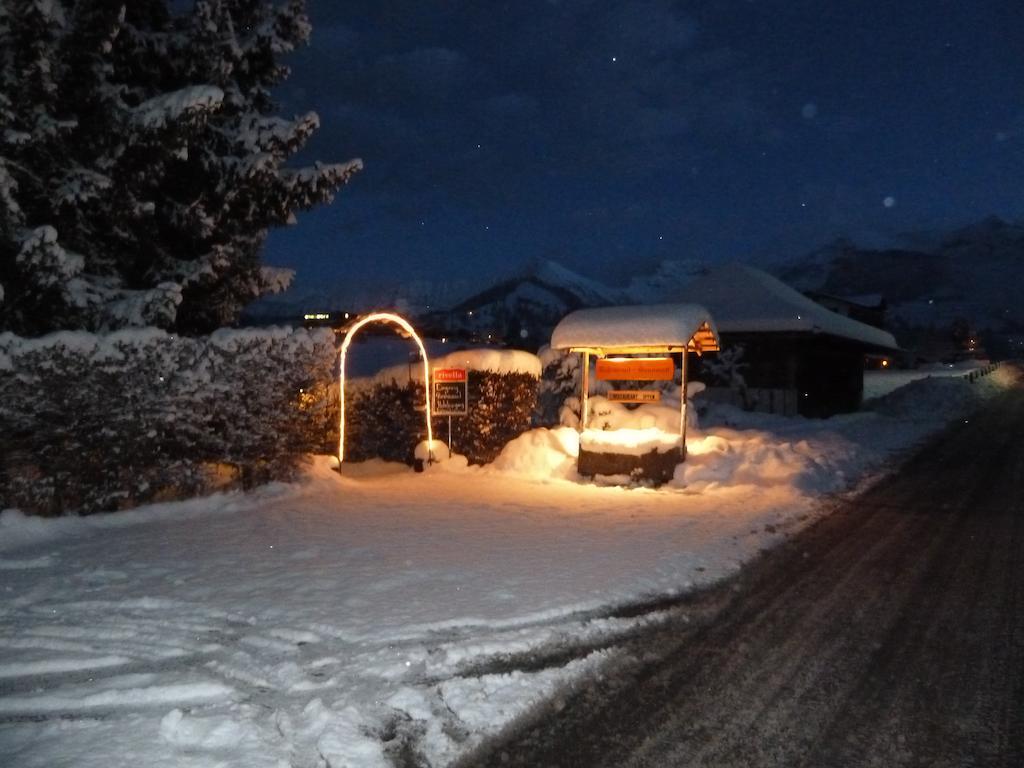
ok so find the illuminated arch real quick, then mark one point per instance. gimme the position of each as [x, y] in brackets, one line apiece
[384, 317]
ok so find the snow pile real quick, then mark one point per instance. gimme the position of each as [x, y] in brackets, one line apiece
[541, 454]
[760, 459]
[938, 396]
[880, 383]
[664, 416]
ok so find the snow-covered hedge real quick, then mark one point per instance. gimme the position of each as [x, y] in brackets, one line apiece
[95, 422]
[383, 420]
[558, 399]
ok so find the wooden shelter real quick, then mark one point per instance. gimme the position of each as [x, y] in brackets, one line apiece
[634, 343]
[797, 357]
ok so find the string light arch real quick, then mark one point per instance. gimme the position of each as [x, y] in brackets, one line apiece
[401, 322]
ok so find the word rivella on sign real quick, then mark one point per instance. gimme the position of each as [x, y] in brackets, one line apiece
[451, 391]
[634, 396]
[635, 368]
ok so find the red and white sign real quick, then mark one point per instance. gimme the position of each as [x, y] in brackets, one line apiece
[449, 374]
[451, 392]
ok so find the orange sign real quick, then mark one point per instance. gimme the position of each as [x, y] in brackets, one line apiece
[635, 368]
[449, 374]
[634, 396]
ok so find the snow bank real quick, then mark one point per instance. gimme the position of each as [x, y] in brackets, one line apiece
[939, 397]
[880, 383]
[541, 454]
[760, 459]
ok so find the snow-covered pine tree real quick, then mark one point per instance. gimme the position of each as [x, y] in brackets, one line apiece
[141, 163]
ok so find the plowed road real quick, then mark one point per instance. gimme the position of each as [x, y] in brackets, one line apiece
[891, 633]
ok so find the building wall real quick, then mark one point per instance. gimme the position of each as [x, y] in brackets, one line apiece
[823, 374]
[830, 378]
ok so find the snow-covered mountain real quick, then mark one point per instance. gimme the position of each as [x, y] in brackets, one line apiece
[664, 284]
[972, 278]
[970, 281]
[523, 308]
[942, 290]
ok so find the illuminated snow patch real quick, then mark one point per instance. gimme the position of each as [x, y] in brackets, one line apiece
[629, 442]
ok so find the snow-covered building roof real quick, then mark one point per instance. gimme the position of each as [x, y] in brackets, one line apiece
[745, 299]
[639, 326]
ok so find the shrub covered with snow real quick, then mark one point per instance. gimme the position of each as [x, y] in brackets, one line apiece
[557, 400]
[383, 420]
[96, 422]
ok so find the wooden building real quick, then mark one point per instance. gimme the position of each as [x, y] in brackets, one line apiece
[792, 355]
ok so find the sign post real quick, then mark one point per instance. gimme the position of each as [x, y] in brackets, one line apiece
[451, 395]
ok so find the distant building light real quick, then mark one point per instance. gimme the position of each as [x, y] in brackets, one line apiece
[317, 316]
[346, 315]
[885, 363]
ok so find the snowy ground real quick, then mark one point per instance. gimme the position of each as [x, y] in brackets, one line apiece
[343, 619]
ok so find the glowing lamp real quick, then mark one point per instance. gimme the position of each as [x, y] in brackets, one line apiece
[401, 322]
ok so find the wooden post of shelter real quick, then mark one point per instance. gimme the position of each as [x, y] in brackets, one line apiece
[682, 401]
[585, 394]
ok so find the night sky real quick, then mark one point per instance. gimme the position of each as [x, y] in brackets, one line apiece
[610, 136]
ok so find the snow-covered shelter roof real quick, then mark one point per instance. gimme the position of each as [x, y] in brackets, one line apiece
[640, 327]
[744, 299]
